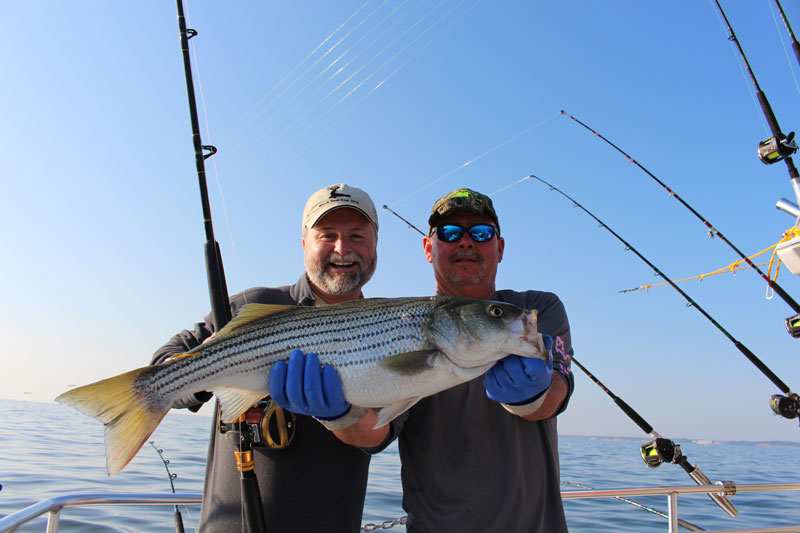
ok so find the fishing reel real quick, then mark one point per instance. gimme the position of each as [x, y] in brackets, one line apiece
[776, 149]
[785, 406]
[659, 451]
[793, 325]
[265, 424]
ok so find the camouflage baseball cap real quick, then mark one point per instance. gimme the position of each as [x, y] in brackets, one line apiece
[337, 196]
[462, 200]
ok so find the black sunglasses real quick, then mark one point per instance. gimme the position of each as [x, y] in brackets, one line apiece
[453, 232]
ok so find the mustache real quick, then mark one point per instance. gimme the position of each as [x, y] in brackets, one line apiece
[466, 254]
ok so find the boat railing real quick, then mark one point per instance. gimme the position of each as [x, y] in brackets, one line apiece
[53, 506]
[728, 489]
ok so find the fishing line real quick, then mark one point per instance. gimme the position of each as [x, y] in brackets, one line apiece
[341, 69]
[681, 522]
[356, 104]
[744, 72]
[293, 140]
[391, 59]
[256, 139]
[792, 38]
[795, 44]
[247, 114]
[711, 229]
[236, 264]
[424, 47]
[440, 178]
[509, 186]
[787, 406]
[264, 146]
[351, 76]
[655, 452]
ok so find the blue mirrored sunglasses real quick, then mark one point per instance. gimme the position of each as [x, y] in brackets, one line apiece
[452, 232]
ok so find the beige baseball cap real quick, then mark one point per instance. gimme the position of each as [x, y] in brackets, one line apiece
[334, 197]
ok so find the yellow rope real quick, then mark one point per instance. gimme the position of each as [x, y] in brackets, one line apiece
[735, 266]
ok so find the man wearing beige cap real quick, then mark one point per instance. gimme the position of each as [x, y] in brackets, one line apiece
[308, 479]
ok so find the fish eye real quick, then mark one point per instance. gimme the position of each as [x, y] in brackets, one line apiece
[495, 311]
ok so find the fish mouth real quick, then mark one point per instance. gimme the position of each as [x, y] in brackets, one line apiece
[532, 337]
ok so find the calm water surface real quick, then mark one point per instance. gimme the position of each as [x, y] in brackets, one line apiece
[49, 449]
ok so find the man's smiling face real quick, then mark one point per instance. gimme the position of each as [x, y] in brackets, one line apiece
[340, 254]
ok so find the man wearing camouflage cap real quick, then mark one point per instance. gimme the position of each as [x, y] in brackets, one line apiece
[483, 456]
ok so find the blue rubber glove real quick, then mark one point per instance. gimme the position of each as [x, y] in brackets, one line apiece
[303, 387]
[516, 380]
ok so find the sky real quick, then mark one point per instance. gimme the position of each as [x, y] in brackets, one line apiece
[101, 221]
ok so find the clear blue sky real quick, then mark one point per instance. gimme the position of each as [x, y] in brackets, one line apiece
[100, 213]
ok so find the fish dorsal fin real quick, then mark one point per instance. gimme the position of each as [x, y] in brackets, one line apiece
[234, 402]
[251, 312]
[390, 412]
[410, 363]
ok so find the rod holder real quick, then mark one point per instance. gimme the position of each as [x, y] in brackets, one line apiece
[788, 207]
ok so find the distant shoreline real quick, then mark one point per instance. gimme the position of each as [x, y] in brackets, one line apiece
[680, 441]
[699, 442]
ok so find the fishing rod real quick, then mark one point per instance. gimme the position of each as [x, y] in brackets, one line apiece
[683, 523]
[660, 450]
[655, 452]
[787, 406]
[218, 292]
[171, 476]
[795, 44]
[712, 230]
[779, 147]
[410, 225]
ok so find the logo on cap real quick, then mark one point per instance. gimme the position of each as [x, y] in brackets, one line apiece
[334, 194]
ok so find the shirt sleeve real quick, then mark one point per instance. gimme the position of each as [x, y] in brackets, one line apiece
[554, 322]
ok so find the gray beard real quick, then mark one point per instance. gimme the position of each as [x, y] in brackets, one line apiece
[341, 283]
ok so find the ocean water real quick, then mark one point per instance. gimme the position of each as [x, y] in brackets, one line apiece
[49, 449]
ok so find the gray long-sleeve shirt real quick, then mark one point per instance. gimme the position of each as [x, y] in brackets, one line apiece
[317, 483]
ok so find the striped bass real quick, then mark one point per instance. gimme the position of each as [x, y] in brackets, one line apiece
[389, 353]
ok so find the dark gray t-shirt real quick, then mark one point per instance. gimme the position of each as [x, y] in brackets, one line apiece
[470, 465]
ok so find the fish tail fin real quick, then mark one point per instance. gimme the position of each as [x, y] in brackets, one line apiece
[119, 404]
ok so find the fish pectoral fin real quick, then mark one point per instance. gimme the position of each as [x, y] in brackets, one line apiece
[251, 312]
[390, 412]
[410, 363]
[234, 402]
